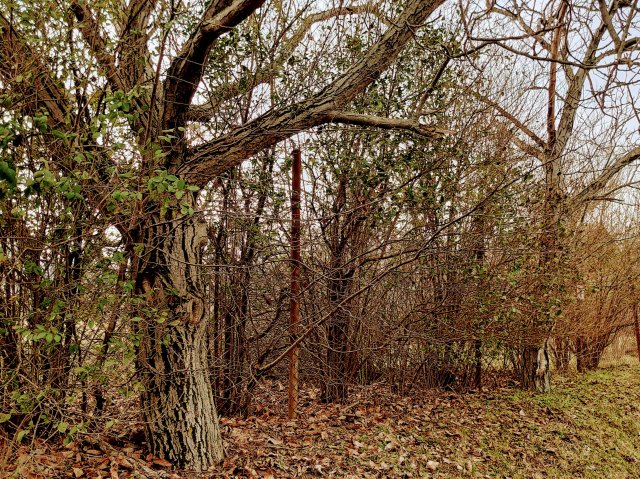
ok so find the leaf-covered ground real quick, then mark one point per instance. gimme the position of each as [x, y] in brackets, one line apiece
[589, 426]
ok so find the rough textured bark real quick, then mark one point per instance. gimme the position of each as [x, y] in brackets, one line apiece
[535, 369]
[177, 403]
[208, 160]
[178, 407]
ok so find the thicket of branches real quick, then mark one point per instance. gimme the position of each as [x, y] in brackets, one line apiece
[468, 202]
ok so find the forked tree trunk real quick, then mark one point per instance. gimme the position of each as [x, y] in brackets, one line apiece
[177, 403]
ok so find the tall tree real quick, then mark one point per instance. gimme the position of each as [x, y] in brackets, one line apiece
[579, 74]
[124, 109]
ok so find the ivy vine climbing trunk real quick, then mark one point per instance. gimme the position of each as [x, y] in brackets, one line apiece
[535, 355]
[536, 372]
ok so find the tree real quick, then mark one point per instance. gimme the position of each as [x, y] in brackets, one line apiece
[579, 74]
[122, 111]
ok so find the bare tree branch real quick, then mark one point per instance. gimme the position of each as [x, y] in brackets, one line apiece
[201, 113]
[512, 118]
[17, 59]
[206, 161]
[386, 123]
[574, 94]
[537, 35]
[528, 149]
[606, 19]
[558, 33]
[597, 185]
[187, 68]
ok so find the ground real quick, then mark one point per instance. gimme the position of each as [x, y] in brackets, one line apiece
[589, 426]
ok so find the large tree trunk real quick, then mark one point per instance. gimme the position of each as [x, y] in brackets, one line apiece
[535, 357]
[536, 373]
[177, 403]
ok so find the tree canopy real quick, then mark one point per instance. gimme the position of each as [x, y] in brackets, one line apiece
[468, 195]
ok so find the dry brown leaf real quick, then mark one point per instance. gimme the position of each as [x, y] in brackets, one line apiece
[158, 461]
[391, 446]
[124, 462]
[432, 465]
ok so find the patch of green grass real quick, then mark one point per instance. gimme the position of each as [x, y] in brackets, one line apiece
[587, 427]
[556, 400]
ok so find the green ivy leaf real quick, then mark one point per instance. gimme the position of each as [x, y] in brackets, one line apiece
[8, 174]
[61, 135]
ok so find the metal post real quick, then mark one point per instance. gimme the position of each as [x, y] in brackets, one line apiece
[294, 309]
